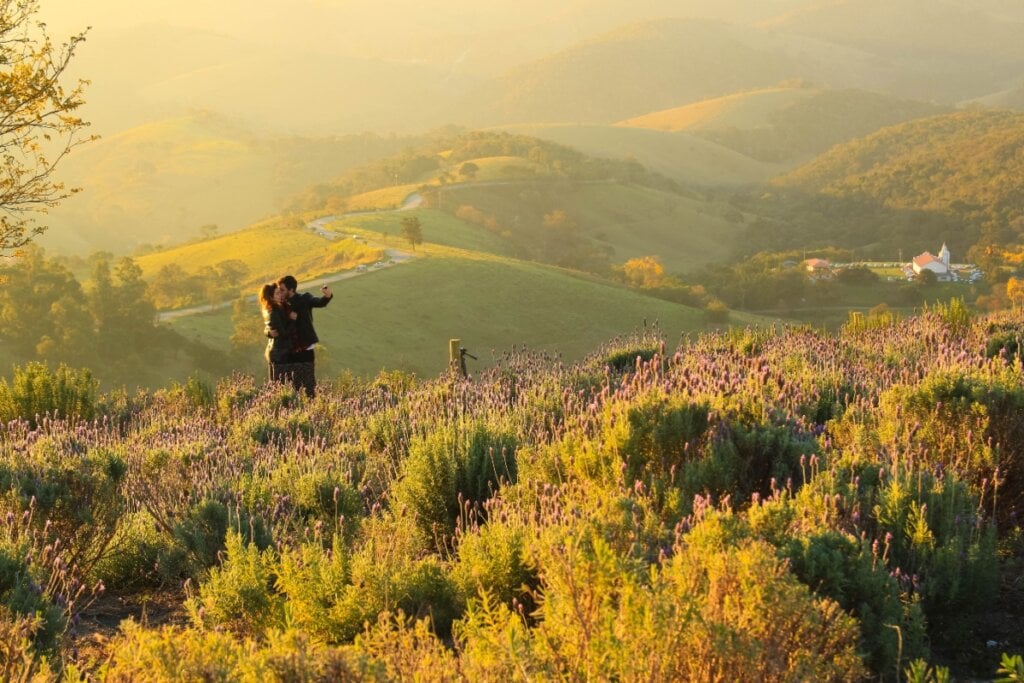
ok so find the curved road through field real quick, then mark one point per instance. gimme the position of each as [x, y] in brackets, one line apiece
[395, 256]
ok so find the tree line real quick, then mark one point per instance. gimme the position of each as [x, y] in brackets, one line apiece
[108, 324]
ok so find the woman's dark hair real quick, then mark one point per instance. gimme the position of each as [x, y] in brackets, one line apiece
[266, 296]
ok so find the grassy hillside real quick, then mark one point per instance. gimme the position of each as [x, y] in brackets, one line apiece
[784, 124]
[682, 156]
[402, 316]
[623, 221]
[160, 182]
[439, 227]
[269, 250]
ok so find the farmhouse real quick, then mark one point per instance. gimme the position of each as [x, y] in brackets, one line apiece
[937, 264]
[817, 265]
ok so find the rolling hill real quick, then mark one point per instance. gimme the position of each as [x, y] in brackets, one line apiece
[936, 49]
[953, 177]
[269, 250]
[1010, 98]
[306, 87]
[402, 317]
[961, 162]
[159, 183]
[686, 232]
[682, 156]
[633, 70]
[664, 63]
[785, 123]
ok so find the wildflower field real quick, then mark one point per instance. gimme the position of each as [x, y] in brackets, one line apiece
[754, 505]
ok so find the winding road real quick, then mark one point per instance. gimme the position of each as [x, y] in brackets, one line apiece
[319, 226]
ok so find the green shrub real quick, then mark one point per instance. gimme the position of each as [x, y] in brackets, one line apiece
[24, 603]
[621, 354]
[954, 313]
[943, 551]
[36, 391]
[238, 594]
[322, 499]
[313, 580]
[604, 617]
[969, 425]
[652, 436]
[234, 393]
[743, 459]
[400, 649]
[1004, 341]
[132, 560]
[1011, 669]
[451, 467]
[175, 654]
[840, 567]
[20, 659]
[199, 393]
[198, 539]
[918, 671]
[73, 496]
[492, 559]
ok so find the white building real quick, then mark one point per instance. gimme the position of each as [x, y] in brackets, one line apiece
[937, 264]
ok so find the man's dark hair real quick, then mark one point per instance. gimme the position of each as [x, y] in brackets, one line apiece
[288, 282]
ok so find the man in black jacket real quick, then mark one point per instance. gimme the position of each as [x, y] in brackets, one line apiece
[303, 304]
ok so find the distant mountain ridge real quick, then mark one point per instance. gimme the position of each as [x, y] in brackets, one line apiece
[785, 123]
[160, 182]
[633, 70]
[661, 64]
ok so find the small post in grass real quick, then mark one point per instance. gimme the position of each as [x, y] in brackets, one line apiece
[457, 356]
[454, 356]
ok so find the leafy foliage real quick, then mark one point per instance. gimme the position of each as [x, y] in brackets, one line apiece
[544, 520]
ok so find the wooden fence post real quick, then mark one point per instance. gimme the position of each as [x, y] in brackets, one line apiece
[455, 355]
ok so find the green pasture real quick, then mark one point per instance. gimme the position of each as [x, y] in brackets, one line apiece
[496, 168]
[402, 316]
[379, 200]
[438, 228]
[903, 298]
[268, 249]
[684, 232]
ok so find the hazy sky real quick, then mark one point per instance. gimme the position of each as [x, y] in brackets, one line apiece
[329, 21]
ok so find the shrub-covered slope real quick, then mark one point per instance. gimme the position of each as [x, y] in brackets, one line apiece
[770, 505]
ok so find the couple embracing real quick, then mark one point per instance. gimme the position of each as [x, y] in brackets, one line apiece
[288, 324]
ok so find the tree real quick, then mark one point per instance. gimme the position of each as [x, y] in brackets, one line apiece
[247, 326]
[38, 291]
[644, 272]
[857, 275]
[469, 170]
[38, 127]
[412, 230]
[1015, 292]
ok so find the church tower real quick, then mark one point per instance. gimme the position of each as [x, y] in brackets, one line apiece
[944, 255]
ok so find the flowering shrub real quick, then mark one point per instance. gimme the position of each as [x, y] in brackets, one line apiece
[754, 505]
[452, 468]
[36, 391]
